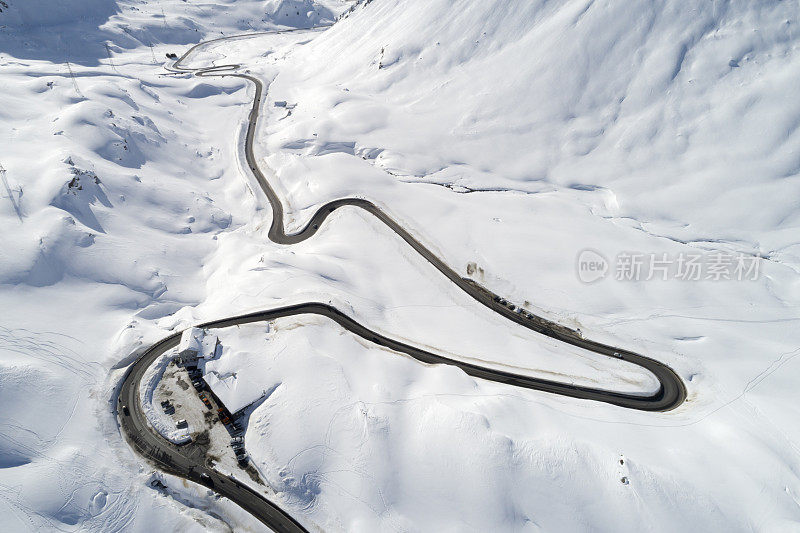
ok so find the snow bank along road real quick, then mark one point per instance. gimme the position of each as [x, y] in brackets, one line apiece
[189, 463]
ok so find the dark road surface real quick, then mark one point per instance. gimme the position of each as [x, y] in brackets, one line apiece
[181, 461]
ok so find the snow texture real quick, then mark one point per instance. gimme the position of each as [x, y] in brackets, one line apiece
[508, 137]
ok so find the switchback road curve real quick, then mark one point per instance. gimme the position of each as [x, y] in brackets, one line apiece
[182, 462]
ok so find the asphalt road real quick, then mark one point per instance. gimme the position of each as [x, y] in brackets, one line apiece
[187, 462]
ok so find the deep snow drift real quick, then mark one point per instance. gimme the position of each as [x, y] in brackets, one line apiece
[509, 137]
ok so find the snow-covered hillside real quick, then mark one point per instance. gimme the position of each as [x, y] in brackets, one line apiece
[48, 13]
[113, 190]
[693, 100]
[652, 127]
[507, 136]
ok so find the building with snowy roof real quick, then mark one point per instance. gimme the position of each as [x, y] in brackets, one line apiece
[196, 344]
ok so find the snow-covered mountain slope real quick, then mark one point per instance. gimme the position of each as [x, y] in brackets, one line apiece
[508, 136]
[114, 188]
[679, 111]
[48, 13]
[515, 135]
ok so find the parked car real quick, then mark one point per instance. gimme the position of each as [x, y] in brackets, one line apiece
[237, 440]
[206, 401]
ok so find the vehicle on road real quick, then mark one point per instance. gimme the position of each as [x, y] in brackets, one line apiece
[206, 480]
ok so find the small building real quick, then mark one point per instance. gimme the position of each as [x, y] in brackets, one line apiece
[196, 344]
[190, 345]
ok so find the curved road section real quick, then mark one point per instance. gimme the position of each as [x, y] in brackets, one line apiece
[187, 462]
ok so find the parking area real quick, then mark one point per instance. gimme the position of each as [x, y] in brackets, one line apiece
[184, 397]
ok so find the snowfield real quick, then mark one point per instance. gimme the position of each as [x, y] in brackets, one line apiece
[506, 136]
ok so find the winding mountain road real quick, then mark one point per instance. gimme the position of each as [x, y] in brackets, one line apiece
[188, 462]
